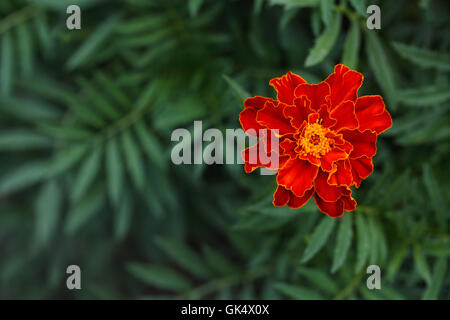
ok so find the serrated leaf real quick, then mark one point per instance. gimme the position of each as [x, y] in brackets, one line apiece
[363, 242]
[114, 170]
[151, 145]
[352, 44]
[158, 276]
[86, 174]
[325, 42]
[343, 242]
[423, 57]
[25, 49]
[318, 238]
[296, 292]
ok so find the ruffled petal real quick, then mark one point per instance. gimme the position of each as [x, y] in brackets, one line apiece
[326, 191]
[297, 175]
[297, 202]
[281, 196]
[345, 116]
[361, 169]
[327, 160]
[344, 84]
[316, 93]
[285, 86]
[298, 113]
[342, 176]
[254, 155]
[364, 143]
[372, 114]
[247, 117]
[333, 209]
[272, 117]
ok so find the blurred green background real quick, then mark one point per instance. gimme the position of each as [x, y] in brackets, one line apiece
[85, 170]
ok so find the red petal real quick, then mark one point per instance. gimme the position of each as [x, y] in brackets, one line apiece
[332, 209]
[349, 203]
[298, 113]
[342, 176]
[281, 196]
[327, 160]
[326, 191]
[272, 117]
[252, 158]
[361, 169]
[316, 93]
[344, 84]
[297, 202]
[247, 117]
[288, 147]
[285, 86]
[297, 175]
[372, 114]
[345, 116]
[364, 143]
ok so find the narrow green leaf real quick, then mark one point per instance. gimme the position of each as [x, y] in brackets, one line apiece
[318, 238]
[82, 212]
[22, 176]
[380, 64]
[319, 279]
[91, 46]
[114, 169]
[66, 158]
[194, 7]
[6, 64]
[326, 11]
[435, 193]
[352, 44]
[123, 217]
[151, 145]
[240, 92]
[48, 210]
[425, 96]
[133, 160]
[25, 49]
[363, 242]
[296, 292]
[158, 276]
[439, 270]
[22, 139]
[325, 42]
[184, 256]
[423, 57]
[344, 238]
[360, 6]
[421, 264]
[86, 175]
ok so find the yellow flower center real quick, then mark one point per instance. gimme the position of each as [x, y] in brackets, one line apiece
[314, 140]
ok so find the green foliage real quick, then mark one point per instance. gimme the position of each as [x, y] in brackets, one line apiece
[85, 174]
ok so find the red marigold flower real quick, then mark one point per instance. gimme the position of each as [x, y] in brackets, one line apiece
[327, 138]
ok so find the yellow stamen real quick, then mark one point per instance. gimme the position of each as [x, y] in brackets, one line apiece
[314, 140]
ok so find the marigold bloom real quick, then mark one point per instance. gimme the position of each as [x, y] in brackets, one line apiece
[327, 137]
